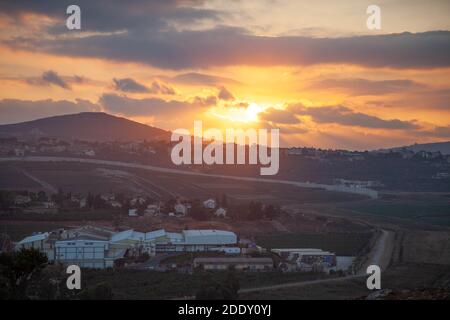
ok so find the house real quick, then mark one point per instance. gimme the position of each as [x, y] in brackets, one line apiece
[108, 197]
[221, 212]
[83, 203]
[180, 209]
[237, 263]
[115, 204]
[209, 204]
[19, 152]
[151, 210]
[137, 201]
[90, 153]
[132, 213]
[20, 200]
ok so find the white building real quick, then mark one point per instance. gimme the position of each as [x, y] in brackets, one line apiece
[308, 259]
[40, 242]
[132, 213]
[221, 212]
[85, 253]
[180, 209]
[209, 204]
[19, 199]
[92, 247]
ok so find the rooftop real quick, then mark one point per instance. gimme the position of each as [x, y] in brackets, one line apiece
[36, 237]
[247, 260]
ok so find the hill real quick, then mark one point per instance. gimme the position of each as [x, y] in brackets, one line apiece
[443, 147]
[90, 126]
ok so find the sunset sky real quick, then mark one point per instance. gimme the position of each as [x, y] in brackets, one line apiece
[310, 68]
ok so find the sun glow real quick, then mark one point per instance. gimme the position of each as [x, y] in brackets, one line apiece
[243, 114]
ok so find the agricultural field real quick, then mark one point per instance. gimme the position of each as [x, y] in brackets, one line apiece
[343, 244]
[424, 208]
[136, 284]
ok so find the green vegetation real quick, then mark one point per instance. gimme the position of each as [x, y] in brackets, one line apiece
[137, 284]
[422, 208]
[345, 244]
[17, 271]
[23, 229]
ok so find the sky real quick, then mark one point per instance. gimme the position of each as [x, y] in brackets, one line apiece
[309, 68]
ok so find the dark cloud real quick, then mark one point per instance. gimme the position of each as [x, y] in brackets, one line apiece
[286, 116]
[441, 132]
[143, 31]
[333, 114]
[114, 15]
[51, 77]
[202, 79]
[161, 88]
[129, 85]
[347, 117]
[231, 46]
[204, 101]
[358, 86]
[14, 110]
[224, 94]
[151, 106]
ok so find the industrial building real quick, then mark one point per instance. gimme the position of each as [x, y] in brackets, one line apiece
[90, 247]
[40, 241]
[86, 253]
[307, 260]
[237, 263]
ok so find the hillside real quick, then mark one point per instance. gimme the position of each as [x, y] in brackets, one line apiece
[90, 126]
[443, 147]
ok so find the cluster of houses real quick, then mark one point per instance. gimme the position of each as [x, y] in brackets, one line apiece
[180, 209]
[323, 155]
[136, 205]
[49, 145]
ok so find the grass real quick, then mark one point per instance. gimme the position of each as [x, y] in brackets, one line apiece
[135, 284]
[19, 231]
[428, 209]
[344, 244]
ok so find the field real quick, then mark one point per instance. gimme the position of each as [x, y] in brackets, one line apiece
[343, 244]
[399, 278]
[421, 208]
[82, 178]
[17, 231]
[134, 284]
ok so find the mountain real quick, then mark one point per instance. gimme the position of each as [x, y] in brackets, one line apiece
[90, 126]
[443, 147]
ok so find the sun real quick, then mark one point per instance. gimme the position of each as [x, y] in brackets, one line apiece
[244, 113]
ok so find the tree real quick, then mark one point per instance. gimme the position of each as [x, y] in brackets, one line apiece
[100, 291]
[19, 268]
[51, 284]
[224, 202]
[198, 212]
[226, 289]
[41, 196]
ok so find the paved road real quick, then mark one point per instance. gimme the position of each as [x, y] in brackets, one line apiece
[328, 187]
